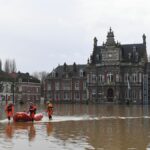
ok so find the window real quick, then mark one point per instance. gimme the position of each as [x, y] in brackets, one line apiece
[100, 78]
[140, 77]
[109, 77]
[81, 73]
[84, 85]
[129, 55]
[77, 85]
[117, 77]
[20, 88]
[97, 57]
[88, 78]
[94, 92]
[66, 95]
[126, 77]
[57, 96]
[93, 78]
[56, 85]
[20, 80]
[134, 77]
[66, 85]
[134, 94]
[49, 86]
[77, 95]
[37, 90]
[53, 74]
[84, 96]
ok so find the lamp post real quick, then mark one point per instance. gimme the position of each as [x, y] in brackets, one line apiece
[1, 90]
[6, 93]
[13, 91]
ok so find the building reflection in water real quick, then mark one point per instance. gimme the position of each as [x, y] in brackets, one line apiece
[115, 128]
[12, 128]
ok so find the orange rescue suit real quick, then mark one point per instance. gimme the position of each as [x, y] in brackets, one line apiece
[32, 110]
[50, 110]
[9, 109]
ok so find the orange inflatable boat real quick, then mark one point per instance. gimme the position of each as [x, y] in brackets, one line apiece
[24, 117]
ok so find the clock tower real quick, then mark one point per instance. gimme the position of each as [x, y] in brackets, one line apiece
[111, 50]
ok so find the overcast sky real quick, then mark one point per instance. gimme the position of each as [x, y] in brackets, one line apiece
[40, 34]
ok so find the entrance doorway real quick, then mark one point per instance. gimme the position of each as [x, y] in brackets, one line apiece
[110, 95]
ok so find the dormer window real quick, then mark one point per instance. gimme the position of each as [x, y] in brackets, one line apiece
[53, 74]
[81, 73]
[129, 55]
[67, 75]
[136, 56]
[97, 57]
[20, 80]
[134, 48]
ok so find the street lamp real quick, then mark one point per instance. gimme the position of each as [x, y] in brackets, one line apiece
[6, 93]
[13, 91]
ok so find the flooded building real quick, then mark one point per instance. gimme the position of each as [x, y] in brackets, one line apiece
[27, 88]
[67, 83]
[19, 87]
[115, 73]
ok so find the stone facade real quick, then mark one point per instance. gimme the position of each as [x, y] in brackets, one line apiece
[113, 74]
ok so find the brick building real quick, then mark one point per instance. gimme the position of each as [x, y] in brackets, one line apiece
[19, 87]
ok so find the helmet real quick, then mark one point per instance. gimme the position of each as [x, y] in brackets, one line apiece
[9, 103]
[47, 102]
[31, 103]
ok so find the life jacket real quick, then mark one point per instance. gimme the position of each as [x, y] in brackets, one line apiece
[9, 108]
[32, 109]
[49, 107]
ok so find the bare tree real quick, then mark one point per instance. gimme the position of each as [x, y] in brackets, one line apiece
[10, 66]
[40, 75]
[6, 66]
[14, 69]
[43, 75]
[0, 65]
[36, 75]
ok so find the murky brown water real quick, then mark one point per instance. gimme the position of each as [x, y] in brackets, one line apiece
[79, 127]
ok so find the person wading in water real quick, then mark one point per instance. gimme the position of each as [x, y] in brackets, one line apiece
[49, 110]
[9, 109]
[32, 111]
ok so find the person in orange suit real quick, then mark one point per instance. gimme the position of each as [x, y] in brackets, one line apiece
[9, 110]
[49, 110]
[32, 111]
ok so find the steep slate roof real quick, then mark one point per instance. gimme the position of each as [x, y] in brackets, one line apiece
[128, 48]
[60, 72]
[148, 67]
[26, 77]
[130, 52]
[5, 77]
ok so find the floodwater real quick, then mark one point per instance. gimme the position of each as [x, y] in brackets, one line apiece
[80, 127]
